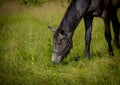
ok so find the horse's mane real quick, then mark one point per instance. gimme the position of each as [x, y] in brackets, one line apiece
[69, 20]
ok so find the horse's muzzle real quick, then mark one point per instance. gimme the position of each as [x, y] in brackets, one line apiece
[56, 58]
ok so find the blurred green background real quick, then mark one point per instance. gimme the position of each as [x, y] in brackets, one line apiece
[26, 45]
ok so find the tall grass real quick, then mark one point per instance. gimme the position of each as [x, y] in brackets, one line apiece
[26, 47]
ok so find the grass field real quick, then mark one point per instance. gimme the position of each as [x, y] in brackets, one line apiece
[26, 47]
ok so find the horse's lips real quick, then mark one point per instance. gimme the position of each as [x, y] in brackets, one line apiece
[56, 58]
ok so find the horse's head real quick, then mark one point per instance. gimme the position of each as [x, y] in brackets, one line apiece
[62, 45]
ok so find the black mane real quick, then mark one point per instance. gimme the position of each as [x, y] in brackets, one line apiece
[70, 19]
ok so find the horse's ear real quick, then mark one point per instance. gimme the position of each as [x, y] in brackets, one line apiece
[52, 29]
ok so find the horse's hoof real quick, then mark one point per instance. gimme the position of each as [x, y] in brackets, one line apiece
[111, 53]
[88, 56]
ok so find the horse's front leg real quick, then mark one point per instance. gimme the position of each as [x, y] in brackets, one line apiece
[88, 26]
[108, 37]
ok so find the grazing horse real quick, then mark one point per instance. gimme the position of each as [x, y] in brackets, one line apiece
[87, 9]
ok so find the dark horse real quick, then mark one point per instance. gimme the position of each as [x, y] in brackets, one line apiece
[87, 9]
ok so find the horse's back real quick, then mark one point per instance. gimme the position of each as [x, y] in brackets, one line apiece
[116, 3]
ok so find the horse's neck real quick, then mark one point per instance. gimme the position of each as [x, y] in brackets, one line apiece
[74, 14]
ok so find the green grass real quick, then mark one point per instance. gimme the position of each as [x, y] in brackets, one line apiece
[26, 47]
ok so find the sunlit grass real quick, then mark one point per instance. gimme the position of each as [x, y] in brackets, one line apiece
[26, 47]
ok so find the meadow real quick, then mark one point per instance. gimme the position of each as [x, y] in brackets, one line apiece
[26, 46]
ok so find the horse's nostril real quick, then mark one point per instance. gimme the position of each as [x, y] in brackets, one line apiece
[54, 62]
